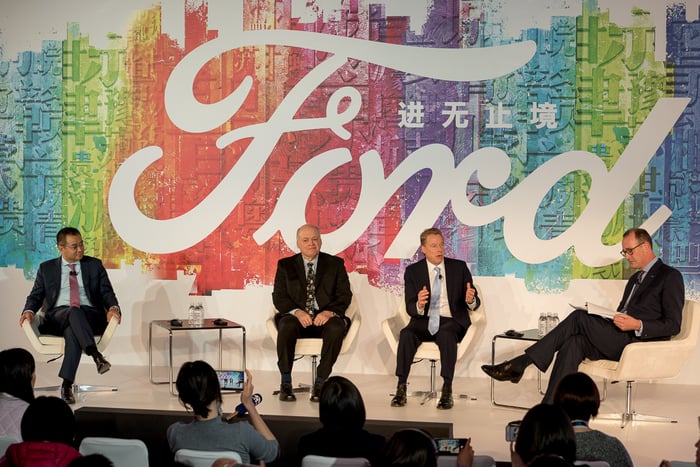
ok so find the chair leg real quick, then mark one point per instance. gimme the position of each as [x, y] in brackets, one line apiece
[629, 415]
[303, 387]
[427, 395]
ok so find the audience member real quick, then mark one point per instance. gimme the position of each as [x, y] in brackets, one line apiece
[413, 447]
[578, 395]
[48, 431]
[198, 390]
[545, 429]
[17, 375]
[342, 414]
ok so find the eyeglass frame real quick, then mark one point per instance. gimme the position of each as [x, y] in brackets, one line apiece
[628, 251]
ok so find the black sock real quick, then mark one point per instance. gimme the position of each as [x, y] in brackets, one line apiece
[67, 383]
[521, 362]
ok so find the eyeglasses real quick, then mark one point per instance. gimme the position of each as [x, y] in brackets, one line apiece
[75, 246]
[629, 251]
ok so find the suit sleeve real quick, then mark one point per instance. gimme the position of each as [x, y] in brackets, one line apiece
[671, 298]
[339, 294]
[36, 297]
[107, 295]
[281, 298]
[411, 288]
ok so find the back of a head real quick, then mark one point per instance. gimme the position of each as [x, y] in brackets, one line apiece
[546, 429]
[578, 395]
[48, 418]
[341, 405]
[17, 373]
[197, 386]
[410, 448]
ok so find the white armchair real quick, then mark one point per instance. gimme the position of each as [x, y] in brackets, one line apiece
[311, 346]
[48, 344]
[648, 361]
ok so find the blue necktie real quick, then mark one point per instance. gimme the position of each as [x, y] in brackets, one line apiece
[434, 318]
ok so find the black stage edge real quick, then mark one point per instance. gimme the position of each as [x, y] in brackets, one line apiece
[150, 427]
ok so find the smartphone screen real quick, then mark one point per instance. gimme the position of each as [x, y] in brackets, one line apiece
[230, 380]
[450, 446]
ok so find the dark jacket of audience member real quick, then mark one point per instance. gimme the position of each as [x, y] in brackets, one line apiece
[342, 414]
[48, 430]
[17, 374]
[545, 429]
[578, 395]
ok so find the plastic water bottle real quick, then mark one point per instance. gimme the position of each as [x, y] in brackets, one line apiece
[550, 321]
[240, 408]
[542, 325]
[191, 315]
[198, 317]
[555, 321]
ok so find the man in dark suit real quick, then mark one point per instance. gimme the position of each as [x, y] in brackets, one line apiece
[311, 294]
[79, 301]
[442, 288]
[650, 309]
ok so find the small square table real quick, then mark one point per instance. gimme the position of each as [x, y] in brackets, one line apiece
[207, 324]
[528, 335]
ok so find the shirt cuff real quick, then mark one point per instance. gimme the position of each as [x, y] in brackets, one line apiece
[641, 329]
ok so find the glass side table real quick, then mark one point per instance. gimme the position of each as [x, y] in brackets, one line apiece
[207, 324]
[528, 335]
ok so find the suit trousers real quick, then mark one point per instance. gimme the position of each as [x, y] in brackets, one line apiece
[579, 336]
[289, 330]
[416, 332]
[78, 326]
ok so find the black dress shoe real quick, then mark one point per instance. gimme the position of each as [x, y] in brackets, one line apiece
[399, 399]
[101, 363]
[506, 371]
[446, 402]
[316, 392]
[286, 393]
[67, 393]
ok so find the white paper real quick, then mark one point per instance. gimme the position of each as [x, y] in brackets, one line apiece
[594, 309]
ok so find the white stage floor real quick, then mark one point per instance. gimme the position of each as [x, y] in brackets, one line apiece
[647, 442]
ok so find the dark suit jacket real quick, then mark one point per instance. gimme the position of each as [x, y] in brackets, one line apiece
[48, 285]
[331, 281]
[658, 301]
[456, 276]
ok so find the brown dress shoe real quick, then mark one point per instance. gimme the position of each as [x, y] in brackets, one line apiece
[399, 399]
[286, 393]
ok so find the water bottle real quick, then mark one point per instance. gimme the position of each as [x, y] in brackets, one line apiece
[191, 315]
[198, 314]
[542, 325]
[240, 408]
[556, 320]
[550, 321]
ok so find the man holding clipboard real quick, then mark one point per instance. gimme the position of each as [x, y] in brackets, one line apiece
[650, 309]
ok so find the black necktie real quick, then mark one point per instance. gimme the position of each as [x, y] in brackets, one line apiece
[310, 290]
[639, 277]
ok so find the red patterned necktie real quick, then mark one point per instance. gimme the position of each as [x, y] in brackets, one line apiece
[73, 282]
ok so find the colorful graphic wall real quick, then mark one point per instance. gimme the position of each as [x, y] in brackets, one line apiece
[532, 150]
